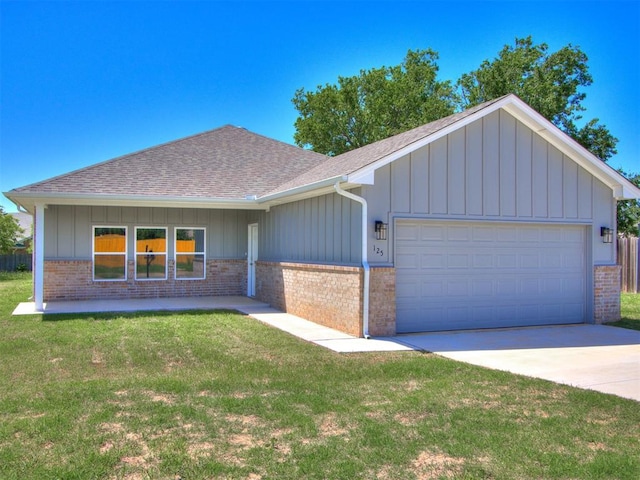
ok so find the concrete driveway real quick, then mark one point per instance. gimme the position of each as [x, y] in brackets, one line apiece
[596, 357]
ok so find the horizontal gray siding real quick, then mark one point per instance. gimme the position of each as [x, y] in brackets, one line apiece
[323, 229]
[495, 168]
[68, 228]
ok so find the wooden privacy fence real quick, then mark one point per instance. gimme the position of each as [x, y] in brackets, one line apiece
[116, 246]
[629, 259]
[14, 262]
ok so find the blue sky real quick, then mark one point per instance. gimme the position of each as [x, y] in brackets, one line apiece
[83, 82]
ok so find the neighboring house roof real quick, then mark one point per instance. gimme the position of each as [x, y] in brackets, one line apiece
[233, 167]
[25, 221]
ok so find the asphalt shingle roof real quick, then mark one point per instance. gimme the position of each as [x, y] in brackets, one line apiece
[354, 160]
[226, 163]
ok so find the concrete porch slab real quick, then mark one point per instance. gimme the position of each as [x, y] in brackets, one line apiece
[140, 304]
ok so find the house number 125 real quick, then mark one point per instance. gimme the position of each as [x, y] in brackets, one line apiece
[378, 251]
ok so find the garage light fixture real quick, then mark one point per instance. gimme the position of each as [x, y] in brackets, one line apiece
[606, 234]
[381, 230]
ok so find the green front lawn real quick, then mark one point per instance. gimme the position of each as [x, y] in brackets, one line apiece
[217, 395]
[630, 311]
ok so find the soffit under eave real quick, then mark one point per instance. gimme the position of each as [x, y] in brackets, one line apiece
[28, 202]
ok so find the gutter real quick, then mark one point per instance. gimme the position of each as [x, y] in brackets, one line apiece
[327, 182]
[28, 200]
[365, 251]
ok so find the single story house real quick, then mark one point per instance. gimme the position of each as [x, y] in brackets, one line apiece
[488, 218]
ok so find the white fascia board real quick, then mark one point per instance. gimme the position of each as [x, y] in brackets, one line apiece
[622, 189]
[304, 191]
[28, 201]
[365, 174]
[363, 177]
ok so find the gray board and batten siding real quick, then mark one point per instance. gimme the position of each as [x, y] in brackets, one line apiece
[68, 228]
[494, 169]
[325, 229]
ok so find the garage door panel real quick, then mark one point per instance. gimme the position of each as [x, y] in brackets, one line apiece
[457, 288]
[529, 260]
[458, 234]
[482, 288]
[432, 233]
[408, 288]
[530, 277]
[407, 232]
[407, 261]
[433, 260]
[572, 261]
[458, 260]
[434, 288]
[483, 234]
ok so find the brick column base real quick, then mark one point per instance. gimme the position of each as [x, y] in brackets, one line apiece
[606, 293]
[330, 295]
[382, 301]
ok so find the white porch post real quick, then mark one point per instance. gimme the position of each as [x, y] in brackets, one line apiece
[38, 257]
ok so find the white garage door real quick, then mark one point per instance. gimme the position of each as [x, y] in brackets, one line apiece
[465, 275]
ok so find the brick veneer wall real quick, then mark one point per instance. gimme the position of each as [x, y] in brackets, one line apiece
[606, 293]
[72, 280]
[382, 301]
[330, 295]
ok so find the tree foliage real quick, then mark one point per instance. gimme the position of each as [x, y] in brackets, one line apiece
[9, 232]
[381, 102]
[373, 105]
[385, 101]
[550, 82]
[629, 210]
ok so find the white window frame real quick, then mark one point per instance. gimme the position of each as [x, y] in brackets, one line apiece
[176, 253]
[94, 253]
[136, 254]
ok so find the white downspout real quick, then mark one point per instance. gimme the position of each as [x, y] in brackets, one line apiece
[365, 251]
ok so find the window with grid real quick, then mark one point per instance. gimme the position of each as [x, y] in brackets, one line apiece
[109, 253]
[190, 253]
[151, 253]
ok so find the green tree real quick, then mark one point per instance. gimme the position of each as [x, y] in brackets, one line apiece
[629, 210]
[9, 232]
[550, 82]
[373, 105]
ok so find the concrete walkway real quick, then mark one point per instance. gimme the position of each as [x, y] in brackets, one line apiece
[596, 357]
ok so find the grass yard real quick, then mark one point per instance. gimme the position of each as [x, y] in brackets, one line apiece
[217, 395]
[630, 309]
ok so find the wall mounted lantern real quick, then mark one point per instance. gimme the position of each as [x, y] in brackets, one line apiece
[381, 230]
[606, 234]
